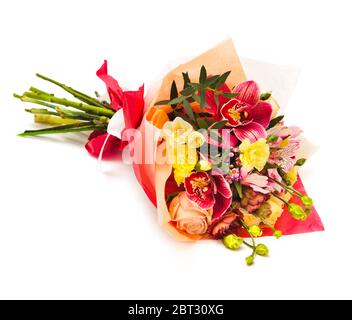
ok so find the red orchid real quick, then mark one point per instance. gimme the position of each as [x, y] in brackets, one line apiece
[247, 114]
[209, 192]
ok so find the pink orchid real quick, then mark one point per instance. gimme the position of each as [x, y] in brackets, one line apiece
[209, 191]
[254, 180]
[247, 114]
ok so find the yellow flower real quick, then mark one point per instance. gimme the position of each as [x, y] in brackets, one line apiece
[204, 165]
[254, 155]
[291, 175]
[182, 142]
[184, 163]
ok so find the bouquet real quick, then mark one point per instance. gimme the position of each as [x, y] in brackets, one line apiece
[208, 147]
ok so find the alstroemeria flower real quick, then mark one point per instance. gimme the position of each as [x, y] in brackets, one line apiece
[248, 116]
[285, 147]
[209, 191]
[256, 181]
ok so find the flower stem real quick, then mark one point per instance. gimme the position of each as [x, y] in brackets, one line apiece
[288, 188]
[42, 111]
[280, 198]
[86, 126]
[35, 101]
[62, 101]
[253, 246]
[77, 94]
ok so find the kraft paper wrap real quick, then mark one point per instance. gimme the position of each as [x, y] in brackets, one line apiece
[153, 176]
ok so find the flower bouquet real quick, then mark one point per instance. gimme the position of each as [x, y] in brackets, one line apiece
[207, 146]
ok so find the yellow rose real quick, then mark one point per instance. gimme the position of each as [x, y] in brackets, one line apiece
[254, 155]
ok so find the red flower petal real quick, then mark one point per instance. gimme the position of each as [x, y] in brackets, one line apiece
[253, 131]
[221, 205]
[203, 198]
[223, 195]
[211, 104]
[133, 107]
[248, 92]
[112, 147]
[113, 87]
[261, 113]
[222, 186]
[225, 112]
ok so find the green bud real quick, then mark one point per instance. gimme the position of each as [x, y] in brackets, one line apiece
[277, 234]
[296, 211]
[307, 201]
[255, 231]
[308, 210]
[272, 138]
[265, 96]
[262, 249]
[232, 241]
[249, 260]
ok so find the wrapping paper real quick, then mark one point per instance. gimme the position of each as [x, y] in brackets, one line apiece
[153, 175]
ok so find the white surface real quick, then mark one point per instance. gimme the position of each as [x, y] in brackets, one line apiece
[67, 231]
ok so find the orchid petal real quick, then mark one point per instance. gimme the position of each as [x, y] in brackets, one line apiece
[261, 113]
[253, 131]
[248, 92]
[222, 186]
[221, 205]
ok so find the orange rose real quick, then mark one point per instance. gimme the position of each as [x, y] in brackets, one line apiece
[189, 217]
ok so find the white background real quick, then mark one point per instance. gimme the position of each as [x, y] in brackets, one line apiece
[68, 231]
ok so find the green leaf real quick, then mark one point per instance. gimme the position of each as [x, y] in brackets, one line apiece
[187, 91]
[265, 96]
[219, 124]
[271, 166]
[189, 110]
[162, 102]
[229, 95]
[186, 79]
[173, 91]
[177, 100]
[196, 98]
[216, 98]
[202, 75]
[194, 85]
[202, 123]
[238, 187]
[300, 162]
[221, 80]
[202, 99]
[275, 121]
[211, 80]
